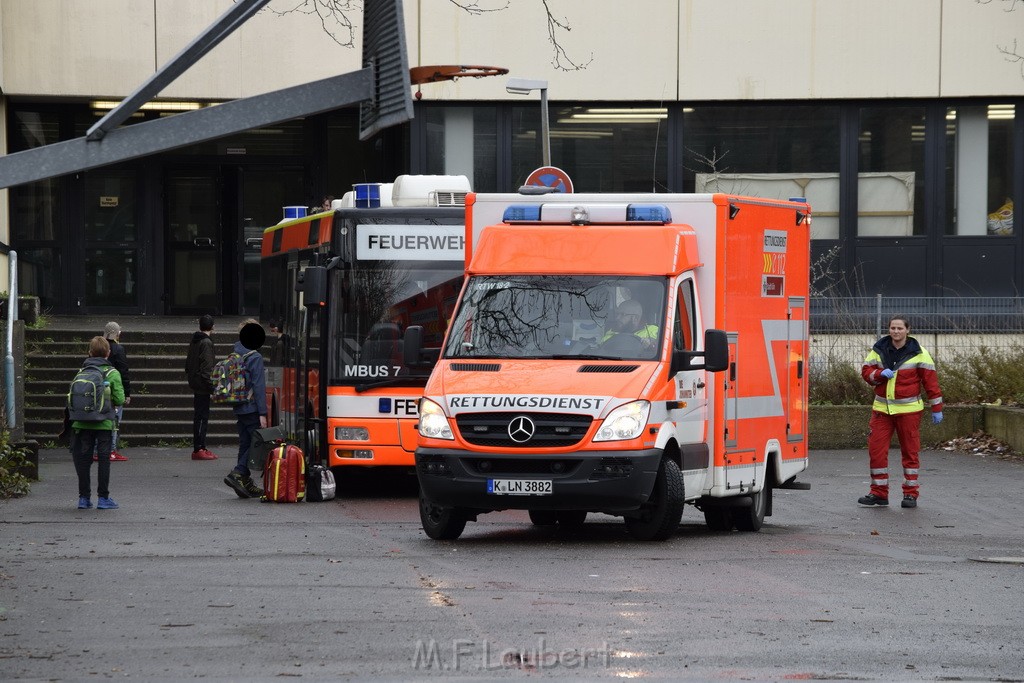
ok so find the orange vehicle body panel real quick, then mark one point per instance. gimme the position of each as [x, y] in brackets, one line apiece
[749, 262]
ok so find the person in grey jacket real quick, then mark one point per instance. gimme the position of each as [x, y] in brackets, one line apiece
[119, 359]
[252, 414]
[198, 368]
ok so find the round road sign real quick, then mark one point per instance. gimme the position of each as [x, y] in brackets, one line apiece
[551, 176]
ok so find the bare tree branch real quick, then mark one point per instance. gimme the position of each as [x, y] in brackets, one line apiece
[333, 16]
[475, 8]
[1012, 4]
[561, 60]
[1012, 55]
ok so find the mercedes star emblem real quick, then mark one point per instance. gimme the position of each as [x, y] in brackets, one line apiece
[521, 429]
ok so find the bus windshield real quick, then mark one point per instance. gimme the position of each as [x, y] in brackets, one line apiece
[545, 316]
[373, 304]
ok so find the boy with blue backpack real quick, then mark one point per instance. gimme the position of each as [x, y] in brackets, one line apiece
[95, 393]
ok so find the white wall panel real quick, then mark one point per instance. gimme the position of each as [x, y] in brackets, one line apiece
[747, 49]
[630, 47]
[972, 34]
[76, 47]
[651, 50]
[266, 53]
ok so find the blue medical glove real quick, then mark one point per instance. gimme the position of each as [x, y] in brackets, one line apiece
[936, 418]
[887, 373]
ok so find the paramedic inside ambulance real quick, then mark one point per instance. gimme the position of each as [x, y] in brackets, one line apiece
[628, 321]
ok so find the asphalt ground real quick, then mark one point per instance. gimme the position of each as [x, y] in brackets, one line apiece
[186, 580]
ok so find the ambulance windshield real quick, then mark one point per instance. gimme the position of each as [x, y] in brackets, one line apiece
[546, 316]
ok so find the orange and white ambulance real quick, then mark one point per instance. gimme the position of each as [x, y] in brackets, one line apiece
[621, 354]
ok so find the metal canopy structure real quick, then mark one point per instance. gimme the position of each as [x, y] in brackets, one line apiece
[381, 88]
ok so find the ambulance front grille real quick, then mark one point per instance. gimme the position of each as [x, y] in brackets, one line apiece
[607, 368]
[551, 430]
[500, 466]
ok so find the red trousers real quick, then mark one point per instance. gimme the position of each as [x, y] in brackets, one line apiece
[908, 430]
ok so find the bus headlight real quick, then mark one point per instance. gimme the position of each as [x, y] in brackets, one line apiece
[351, 434]
[625, 422]
[433, 424]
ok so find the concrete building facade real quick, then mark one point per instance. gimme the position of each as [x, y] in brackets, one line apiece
[896, 120]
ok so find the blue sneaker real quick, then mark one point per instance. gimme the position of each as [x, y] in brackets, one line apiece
[106, 504]
[84, 503]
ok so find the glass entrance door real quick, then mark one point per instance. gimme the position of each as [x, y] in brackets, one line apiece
[111, 243]
[193, 241]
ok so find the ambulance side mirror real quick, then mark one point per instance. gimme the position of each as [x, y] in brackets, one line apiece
[715, 354]
[716, 350]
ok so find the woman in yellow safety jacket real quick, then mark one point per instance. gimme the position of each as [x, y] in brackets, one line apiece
[898, 367]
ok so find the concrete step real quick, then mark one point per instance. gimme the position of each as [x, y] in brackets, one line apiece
[160, 413]
[139, 432]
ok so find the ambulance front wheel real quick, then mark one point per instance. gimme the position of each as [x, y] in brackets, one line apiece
[439, 522]
[752, 518]
[659, 517]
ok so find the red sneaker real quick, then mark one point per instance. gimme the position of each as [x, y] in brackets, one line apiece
[116, 457]
[203, 454]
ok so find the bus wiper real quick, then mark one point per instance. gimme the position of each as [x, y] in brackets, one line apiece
[406, 381]
[583, 356]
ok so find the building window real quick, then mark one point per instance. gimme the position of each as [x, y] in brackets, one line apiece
[463, 141]
[31, 129]
[890, 164]
[39, 274]
[979, 173]
[602, 148]
[35, 211]
[775, 152]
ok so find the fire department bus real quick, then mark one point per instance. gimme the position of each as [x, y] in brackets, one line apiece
[336, 379]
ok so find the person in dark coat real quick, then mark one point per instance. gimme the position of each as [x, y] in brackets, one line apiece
[198, 368]
[119, 359]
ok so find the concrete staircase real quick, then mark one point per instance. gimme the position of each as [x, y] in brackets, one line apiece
[160, 413]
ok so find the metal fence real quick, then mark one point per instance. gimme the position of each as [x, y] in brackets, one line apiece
[950, 315]
[844, 328]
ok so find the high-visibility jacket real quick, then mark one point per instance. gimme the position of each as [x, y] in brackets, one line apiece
[913, 367]
[649, 332]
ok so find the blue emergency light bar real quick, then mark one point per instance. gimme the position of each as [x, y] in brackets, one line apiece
[587, 214]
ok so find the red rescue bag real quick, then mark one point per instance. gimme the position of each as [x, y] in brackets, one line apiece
[284, 477]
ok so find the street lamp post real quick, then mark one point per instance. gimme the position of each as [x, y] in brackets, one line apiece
[524, 86]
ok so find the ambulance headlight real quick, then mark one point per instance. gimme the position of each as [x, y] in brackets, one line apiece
[625, 422]
[433, 424]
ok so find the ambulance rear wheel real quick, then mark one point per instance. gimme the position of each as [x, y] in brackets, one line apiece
[659, 517]
[751, 518]
[439, 522]
[718, 519]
